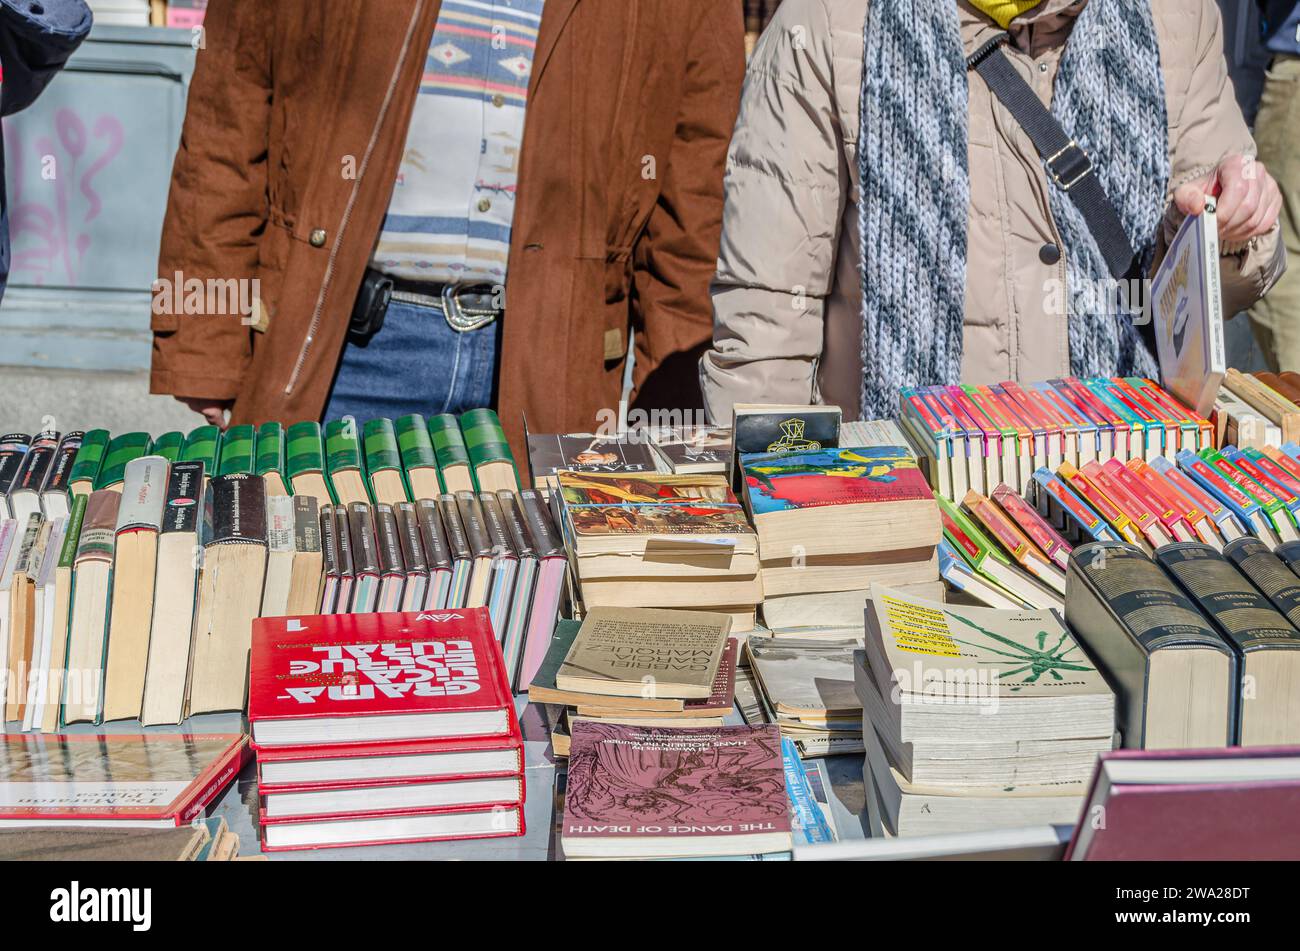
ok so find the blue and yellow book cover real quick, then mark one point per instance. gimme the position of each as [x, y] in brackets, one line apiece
[781, 482]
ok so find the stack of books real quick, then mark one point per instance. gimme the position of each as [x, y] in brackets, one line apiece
[637, 667]
[383, 728]
[665, 793]
[978, 437]
[683, 450]
[806, 688]
[660, 541]
[131, 568]
[1202, 646]
[1254, 410]
[976, 718]
[832, 522]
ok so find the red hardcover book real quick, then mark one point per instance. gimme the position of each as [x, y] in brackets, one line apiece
[392, 828]
[1107, 479]
[1178, 512]
[149, 780]
[1039, 530]
[363, 762]
[371, 678]
[1155, 503]
[391, 796]
[1097, 497]
[1220, 804]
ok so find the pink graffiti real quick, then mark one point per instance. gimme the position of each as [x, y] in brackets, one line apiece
[49, 233]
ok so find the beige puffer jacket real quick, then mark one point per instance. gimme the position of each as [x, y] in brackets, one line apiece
[787, 300]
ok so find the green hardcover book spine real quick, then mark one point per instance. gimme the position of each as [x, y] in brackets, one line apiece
[238, 451]
[343, 447]
[964, 530]
[203, 445]
[120, 451]
[270, 449]
[90, 457]
[304, 452]
[68, 553]
[449, 443]
[415, 446]
[380, 441]
[485, 439]
[169, 446]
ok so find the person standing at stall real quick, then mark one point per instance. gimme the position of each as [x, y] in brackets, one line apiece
[890, 221]
[1276, 318]
[440, 200]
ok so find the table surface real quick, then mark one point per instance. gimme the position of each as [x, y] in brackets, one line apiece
[239, 805]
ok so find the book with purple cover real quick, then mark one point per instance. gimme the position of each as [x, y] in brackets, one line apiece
[1212, 804]
[670, 792]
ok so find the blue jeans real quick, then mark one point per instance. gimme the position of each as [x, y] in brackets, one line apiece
[415, 364]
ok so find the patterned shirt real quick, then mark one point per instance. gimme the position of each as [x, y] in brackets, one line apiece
[452, 208]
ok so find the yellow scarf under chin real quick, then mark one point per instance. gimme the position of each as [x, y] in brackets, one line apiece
[1004, 11]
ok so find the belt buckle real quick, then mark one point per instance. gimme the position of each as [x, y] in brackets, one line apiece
[1077, 162]
[457, 319]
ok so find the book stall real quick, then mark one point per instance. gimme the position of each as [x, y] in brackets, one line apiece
[953, 633]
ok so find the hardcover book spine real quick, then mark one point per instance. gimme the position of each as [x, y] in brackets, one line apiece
[457, 538]
[238, 510]
[144, 495]
[485, 440]
[169, 446]
[471, 515]
[361, 531]
[13, 451]
[238, 451]
[306, 524]
[380, 441]
[542, 533]
[121, 450]
[203, 445]
[433, 534]
[449, 443]
[408, 532]
[59, 477]
[90, 456]
[415, 446]
[494, 524]
[1269, 573]
[388, 542]
[270, 449]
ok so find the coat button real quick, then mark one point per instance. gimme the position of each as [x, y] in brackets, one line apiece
[499, 101]
[485, 204]
[1049, 254]
[318, 237]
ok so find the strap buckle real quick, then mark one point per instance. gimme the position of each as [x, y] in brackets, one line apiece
[460, 317]
[1074, 167]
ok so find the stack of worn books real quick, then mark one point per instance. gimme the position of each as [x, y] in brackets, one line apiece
[833, 521]
[383, 728]
[806, 688]
[976, 718]
[661, 541]
[665, 793]
[637, 667]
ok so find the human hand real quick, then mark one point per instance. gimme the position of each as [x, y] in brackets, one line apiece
[1248, 199]
[214, 411]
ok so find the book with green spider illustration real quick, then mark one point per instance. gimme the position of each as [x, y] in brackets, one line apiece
[1017, 672]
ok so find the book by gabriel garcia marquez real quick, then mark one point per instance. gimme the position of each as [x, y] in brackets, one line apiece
[667, 792]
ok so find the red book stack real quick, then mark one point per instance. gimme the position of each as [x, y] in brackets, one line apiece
[382, 728]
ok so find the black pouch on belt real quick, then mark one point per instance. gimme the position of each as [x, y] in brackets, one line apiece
[371, 305]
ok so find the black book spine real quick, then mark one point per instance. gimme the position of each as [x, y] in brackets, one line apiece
[56, 479]
[542, 532]
[471, 514]
[37, 463]
[13, 450]
[343, 541]
[329, 541]
[514, 519]
[408, 530]
[181, 510]
[365, 552]
[388, 541]
[306, 524]
[494, 524]
[457, 540]
[238, 509]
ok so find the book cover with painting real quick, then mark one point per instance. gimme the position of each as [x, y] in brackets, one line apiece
[780, 482]
[635, 791]
[597, 504]
[549, 454]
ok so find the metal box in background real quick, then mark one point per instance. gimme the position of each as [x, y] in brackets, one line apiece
[88, 168]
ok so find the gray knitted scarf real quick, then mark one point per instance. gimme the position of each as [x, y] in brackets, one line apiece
[912, 156]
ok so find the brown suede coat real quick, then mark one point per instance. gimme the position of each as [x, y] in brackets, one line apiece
[296, 123]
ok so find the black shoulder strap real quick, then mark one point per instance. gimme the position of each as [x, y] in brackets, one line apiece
[1068, 164]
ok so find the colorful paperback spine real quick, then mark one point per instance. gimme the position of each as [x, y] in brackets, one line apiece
[1245, 509]
[1138, 442]
[1032, 430]
[1118, 482]
[919, 418]
[1177, 515]
[1087, 440]
[1013, 541]
[1261, 480]
[995, 454]
[1109, 424]
[1281, 460]
[1073, 511]
[969, 446]
[1274, 511]
[238, 451]
[1095, 496]
[1037, 528]
[1162, 432]
[1222, 523]
[1014, 449]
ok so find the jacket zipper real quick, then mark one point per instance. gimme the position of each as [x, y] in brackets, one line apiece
[314, 326]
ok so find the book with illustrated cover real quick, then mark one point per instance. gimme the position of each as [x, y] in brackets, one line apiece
[367, 678]
[614, 507]
[669, 792]
[782, 482]
[692, 449]
[139, 780]
[548, 455]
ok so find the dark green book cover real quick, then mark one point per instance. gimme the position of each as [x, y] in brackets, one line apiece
[120, 451]
[561, 641]
[448, 441]
[238, 449]
[342, 445]
[72, 537]
[303, 449]
[270, 449]
[380, 442]
[169, 446]
[90, 457]
[203, 445]
[485, 440]
[413, 442]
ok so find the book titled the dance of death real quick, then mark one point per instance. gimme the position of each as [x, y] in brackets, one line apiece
[230, 592]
